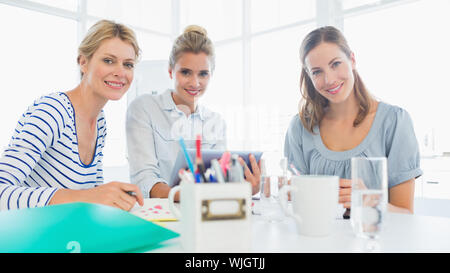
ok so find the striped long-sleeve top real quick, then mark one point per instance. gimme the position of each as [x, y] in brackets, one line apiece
[42, 155]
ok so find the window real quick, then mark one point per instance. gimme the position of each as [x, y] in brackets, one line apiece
[256, 82]
[267, 14]
[221, 18]
[275, 77]
[149, 14]
[404, 62]
[63, 4]
[38, 57]
[349, 4]
[225, 92]
[153, 46]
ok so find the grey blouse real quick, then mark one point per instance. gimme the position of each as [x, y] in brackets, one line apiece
[391, 136]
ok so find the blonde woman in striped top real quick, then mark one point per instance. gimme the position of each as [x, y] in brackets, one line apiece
[55, 155]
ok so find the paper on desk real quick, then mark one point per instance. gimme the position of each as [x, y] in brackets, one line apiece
[154, 209]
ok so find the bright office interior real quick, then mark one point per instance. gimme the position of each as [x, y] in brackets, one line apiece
[401, 49]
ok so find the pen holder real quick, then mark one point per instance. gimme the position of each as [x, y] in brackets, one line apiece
[214, 217]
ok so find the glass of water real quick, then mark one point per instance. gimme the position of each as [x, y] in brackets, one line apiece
[369, 196]
[270, 205]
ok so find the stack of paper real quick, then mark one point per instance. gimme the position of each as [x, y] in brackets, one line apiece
[155, 209]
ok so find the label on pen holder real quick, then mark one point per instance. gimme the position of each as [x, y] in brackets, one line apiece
[223, 209]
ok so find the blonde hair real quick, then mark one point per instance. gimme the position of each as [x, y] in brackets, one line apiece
[103, 30]
[195, 40]
[313, 104]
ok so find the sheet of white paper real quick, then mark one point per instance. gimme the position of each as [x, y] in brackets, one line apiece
[154, 209]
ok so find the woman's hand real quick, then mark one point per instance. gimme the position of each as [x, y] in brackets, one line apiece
[345, 192]
[161, 190]
[253, 178]
[112, 194]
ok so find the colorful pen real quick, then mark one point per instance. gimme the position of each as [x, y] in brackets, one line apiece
[218, 171]
[198, 159]
[198, 178]
[201, 169]
[236, 170]
[186, 155]
[198, 144]
[224, 163]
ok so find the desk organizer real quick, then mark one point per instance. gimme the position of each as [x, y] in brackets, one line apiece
[215, 217]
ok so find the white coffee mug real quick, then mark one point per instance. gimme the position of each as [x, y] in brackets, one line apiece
[175, 211]
[314, 203]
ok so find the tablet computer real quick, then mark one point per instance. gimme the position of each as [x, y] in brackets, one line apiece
[207, 156]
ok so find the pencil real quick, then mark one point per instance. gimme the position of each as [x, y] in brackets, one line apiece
[186, 155]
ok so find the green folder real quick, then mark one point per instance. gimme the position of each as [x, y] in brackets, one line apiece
[78, 227]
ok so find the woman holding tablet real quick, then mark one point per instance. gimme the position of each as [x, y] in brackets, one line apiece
[55, 155]
[339, 119]
[155, 123]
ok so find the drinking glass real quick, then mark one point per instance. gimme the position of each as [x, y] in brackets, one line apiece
[369, 197]
[270, 206]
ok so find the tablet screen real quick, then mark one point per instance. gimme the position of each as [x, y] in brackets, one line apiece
[207, 156]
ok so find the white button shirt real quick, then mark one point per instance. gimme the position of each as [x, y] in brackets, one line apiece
[154, 126]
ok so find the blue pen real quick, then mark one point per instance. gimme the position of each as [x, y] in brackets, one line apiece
[209, 175]
[186, 155]
[212, 178]
[198, 178]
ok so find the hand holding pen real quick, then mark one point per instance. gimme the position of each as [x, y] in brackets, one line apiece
[115, 194]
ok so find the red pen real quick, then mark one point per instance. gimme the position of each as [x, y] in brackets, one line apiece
[198, 159]
[198, 143]
[224, 163]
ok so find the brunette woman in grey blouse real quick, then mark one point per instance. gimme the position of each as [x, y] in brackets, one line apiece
[339, 119]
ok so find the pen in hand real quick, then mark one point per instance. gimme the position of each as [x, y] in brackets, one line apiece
[346, 214]
[139, 200]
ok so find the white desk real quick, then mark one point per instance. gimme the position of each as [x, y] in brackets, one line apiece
[402, 233]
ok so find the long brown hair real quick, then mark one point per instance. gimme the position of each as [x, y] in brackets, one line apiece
[313, 104]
